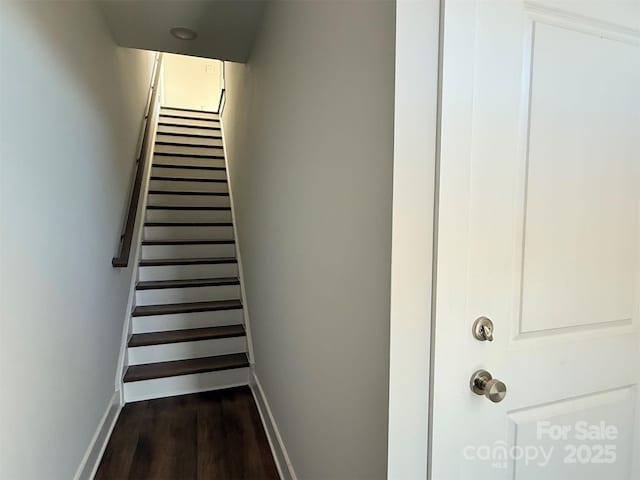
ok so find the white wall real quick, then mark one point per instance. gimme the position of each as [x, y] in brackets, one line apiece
[309, 132]
[71, 104]
[191, 82]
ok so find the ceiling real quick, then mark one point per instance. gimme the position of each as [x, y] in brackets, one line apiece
[226, 28]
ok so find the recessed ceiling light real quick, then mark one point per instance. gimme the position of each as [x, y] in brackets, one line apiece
[183, 33]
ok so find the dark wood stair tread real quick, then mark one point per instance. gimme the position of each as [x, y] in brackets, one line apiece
[173, 308]
[188, 224]
[186, 117]
[174, 368]
[171, 192]
[187, 207]
[194, 282]
[189, 335]
[187, 242]
[161, 262]
[187, 179]
[180, 144]
[188, 155]
[188, 167]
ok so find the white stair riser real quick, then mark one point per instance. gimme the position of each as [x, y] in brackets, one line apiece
[204, 114]
[188, 251]
[185, 350]
[189, 200]
[193, 161]
[188, 186]
[188, 173]
[188, 150]
[207, 142]
[185, 272]
[188, 233]
[169, 129]
[154, 215]
[181, 321]
[183, 384]
[163, 296]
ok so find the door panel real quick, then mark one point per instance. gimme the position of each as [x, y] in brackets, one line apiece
[557, 455]
[539, 230]
[581, 181]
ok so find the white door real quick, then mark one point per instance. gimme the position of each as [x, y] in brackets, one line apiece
[539, 230]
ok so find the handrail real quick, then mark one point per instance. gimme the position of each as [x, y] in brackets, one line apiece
[126, 239]
[222, 87]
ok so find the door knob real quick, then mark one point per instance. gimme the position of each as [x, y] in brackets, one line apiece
[482, 383]
[483, 329]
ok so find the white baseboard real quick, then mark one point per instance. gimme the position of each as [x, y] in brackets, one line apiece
[280, 455]
[91, 460]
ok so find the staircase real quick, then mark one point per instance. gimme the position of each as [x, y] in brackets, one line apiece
[187, 331]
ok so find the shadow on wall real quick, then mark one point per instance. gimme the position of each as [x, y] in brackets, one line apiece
[69, 59]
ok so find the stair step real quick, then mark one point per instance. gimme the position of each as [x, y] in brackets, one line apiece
[171, 308]
[202, 151]
[169, 247]
[184, 144]
[188, 117]
[185, 261]
[189, 161]
[179, 184]
[190, 114]
[183, 125]
[188, 207]
[182, 121]
[190, 135]
[180, 291]
[206, 171]
[189, 335]
[185, 349]
[188, 167]
[184, 266]
[186, 179]
[188, 224]
[193, 199]
[188, 230]
[188, 140]
[181, 321]
[174, 368]
[171, 192]
[187, 242]
[187, 154]
[196, 282]
[165, 108]
[187, 215]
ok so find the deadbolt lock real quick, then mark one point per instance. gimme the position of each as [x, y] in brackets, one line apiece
[483, 329]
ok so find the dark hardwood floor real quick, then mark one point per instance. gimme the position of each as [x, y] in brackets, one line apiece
[211, 435]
